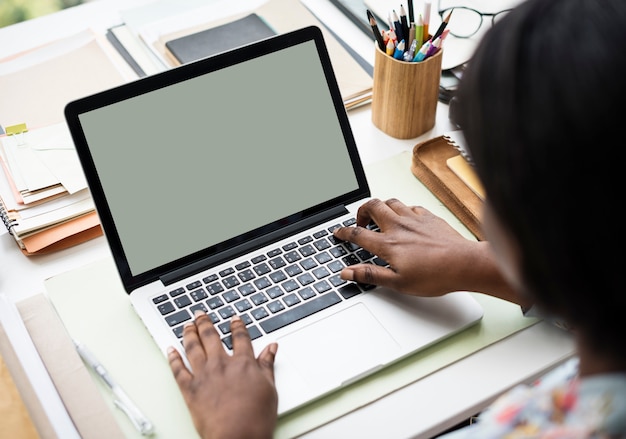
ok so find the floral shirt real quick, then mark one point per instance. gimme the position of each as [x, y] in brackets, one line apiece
[558, 406]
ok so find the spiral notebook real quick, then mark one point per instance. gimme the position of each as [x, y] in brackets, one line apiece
[218, 191]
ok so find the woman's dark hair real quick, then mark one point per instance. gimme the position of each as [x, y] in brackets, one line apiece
[541, 105]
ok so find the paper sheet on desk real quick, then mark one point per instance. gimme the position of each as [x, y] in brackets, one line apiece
[44, 157]
[61, 71]
[125, 339]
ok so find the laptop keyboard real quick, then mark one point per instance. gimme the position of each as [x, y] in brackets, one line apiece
[272, 290]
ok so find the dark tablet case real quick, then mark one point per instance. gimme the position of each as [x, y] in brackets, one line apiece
[218, 39]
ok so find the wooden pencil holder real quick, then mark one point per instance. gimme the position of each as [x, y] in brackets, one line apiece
[405, 94]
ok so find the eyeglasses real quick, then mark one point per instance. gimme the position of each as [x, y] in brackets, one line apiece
[465, 21]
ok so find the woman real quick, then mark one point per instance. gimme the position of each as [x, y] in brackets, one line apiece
[540, 107]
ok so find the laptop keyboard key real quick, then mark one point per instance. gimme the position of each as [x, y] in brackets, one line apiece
[257, 259]
[194, 285]
[350, 290]
[246, 289]
[322, 286]
[262, 269]
[243, 305]
[278, 276]
[230, 296]
[242, 265]
[182, 301]
[262, 283]
[307, 293]
[253, 331]
[159, 299]
[210, 278]
[299, 312]
[166, 308]
[215, 288]
[177, 292]
[259, 313]
[198, 295]
[275, 292]
[275, 306]
[214, 302]
[258, 298]
[291, 300]
[227, 312]
[336, 280]
[196, 307]
[227, 271]
[230, 282]
[178, 317]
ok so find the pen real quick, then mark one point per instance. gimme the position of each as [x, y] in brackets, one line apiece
[410, 6]
[122, 401]
[377, 34]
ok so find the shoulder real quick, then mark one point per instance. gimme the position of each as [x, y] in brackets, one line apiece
[557, 405]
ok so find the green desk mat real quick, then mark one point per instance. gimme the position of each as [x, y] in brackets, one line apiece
[118, 338]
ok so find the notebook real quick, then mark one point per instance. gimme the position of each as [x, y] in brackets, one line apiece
[218, 39]
[218, 184]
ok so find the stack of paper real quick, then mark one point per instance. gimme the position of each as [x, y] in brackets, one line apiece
[44, 196]
[44, 200]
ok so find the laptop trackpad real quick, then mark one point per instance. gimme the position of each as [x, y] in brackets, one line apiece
[359, 345]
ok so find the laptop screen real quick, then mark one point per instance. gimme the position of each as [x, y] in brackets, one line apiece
[226, 151]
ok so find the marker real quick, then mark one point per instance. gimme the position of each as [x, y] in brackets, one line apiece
[377, 34]
[122, 401]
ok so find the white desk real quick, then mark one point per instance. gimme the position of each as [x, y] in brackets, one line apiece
[421, 409]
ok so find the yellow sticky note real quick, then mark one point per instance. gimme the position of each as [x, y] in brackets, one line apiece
[466, 173]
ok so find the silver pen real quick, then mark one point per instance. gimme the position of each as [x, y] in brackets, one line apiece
[122, 401]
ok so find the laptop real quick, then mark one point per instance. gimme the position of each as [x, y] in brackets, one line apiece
[218, 184]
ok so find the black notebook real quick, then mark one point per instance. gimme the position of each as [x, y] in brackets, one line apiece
[248, 29]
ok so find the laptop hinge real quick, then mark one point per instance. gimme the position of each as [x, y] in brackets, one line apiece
[254, 244]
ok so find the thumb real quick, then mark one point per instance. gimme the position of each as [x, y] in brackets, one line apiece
[266, 360]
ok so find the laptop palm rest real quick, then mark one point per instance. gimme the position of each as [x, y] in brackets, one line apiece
[358, 345]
